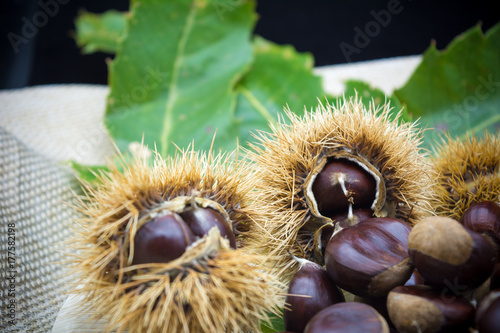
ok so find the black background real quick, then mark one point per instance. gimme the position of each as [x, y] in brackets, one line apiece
[319, 27]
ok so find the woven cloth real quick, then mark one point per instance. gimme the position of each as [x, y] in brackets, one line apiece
[34, 223]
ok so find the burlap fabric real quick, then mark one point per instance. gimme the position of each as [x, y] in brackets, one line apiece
[34, 223]
[40, 129]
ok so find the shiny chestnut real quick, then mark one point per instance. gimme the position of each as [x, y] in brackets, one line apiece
[350, 317]
[488, 313]
[310, 291]
[200, 220]
[484, 217]
[421, 309]
[371, 257]
[342, 183]
[344, 220]
[495, 277]
[446, 253]
[161, 240]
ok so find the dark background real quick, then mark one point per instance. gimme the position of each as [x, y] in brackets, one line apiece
[319, 27]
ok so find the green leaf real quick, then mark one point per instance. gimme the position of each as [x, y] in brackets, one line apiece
[367, 94]
[276, 324]
[99, 32]
[458, 89]
[279, 77]
[172, 80]
[87, 173]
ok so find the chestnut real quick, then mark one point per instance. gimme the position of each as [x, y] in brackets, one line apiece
[200, 220]
[483, 217]
[309, 292]
[421, 309]
[475, 295]
[346, 318]
[378, 303]
[495, 277]
[488, 313]
[341, 183]
[445, 252]
[161, 240]
[371, 257]
[352, 217]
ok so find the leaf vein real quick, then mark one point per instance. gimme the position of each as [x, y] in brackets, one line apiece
[167, 120]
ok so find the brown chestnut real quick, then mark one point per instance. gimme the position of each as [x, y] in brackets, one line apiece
[421, 309]
[310, 291]
[378, 303]
[352, 217]
[348, 218]
[341, 183]
[495, 277]
[350, 317]
[371, 257]
[488, 313]
[161, 240]
[447, 254]
[483, 217]
[200, 220]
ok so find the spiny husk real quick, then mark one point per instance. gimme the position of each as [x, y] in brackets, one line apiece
[210, 288]
[468, 172]
[285, 158]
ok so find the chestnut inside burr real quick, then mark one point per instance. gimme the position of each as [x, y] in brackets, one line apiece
[342, 183]
[166, 237]
[161, 240]
[201, 220]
